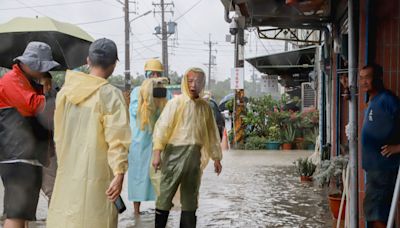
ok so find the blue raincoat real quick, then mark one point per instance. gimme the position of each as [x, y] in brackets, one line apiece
[140, 154]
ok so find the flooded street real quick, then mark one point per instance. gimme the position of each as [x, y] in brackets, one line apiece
[255, 189]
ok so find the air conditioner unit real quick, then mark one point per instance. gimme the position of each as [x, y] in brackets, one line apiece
[307, 95]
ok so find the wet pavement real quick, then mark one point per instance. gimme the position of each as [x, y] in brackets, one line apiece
[255, 189]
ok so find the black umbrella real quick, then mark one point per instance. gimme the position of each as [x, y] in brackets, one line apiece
[69, 43]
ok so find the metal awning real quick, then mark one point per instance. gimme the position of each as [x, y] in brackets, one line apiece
[282, 14]
[285, 63]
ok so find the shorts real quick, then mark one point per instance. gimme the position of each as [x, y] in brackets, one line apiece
[22, 184]
[378, 194]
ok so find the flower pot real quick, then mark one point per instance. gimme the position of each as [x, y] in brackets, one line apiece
[334, 204]
[299, 142]
[286, 146]
[310, 146]
[272, 145]
[305, 179]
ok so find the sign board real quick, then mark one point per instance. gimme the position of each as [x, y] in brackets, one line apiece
[237, 78]
[269, 84]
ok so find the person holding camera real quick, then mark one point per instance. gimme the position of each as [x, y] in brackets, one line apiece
[92, 137]
[146, 103]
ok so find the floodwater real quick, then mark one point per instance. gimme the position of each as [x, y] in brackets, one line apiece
[255, 189]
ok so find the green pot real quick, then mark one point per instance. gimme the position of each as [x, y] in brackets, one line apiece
[272, 145]
[310, 146]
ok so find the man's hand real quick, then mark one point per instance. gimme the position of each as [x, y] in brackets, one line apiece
[114, 190]
[389, 150]
[157, 160]
[217, 167]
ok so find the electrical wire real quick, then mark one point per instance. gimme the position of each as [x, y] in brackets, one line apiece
[262, 43]
[31, 8]
[49, 5]
[187, 11]
[98, 21]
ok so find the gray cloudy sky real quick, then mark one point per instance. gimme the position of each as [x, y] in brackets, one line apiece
[206, 17]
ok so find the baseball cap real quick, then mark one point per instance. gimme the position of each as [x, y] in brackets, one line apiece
[103, 52]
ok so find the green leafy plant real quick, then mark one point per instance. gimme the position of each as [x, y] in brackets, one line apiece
[305, 167]
[258, 117]
[289, 134]
[255, 143]
[274, 134]
[311, 135]
[229, 105]
[331, 170]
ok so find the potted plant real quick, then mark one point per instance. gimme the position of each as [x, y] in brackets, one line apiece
[310, 137]
[298, 124]
[255, 143]
[273, 139]
[329, 173]
[288, 136]
[305, 169]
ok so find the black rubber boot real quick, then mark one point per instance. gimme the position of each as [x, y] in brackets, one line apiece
[161, 218]
[188, 219]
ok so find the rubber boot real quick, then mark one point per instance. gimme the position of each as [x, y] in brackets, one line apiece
[161, 218]
[188, 219]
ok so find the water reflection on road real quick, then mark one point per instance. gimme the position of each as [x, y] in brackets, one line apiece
[256, 189]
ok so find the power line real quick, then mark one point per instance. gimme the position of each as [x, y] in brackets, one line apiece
[49, 5]
[190, 26]
[99, 21]
[262, 43]
[143, 45]
[29, 7]
[110, 4]
[187, 11]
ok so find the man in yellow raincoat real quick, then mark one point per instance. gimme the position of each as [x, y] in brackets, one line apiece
[187, 136]
[92, 137]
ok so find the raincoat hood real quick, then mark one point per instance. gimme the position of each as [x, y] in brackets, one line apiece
[79, 86]
[185, 87]
[149, 106]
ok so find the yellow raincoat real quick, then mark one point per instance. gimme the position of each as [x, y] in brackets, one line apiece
[92, 137]
[186, 125]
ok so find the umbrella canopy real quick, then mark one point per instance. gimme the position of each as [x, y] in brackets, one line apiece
[69, 43]
[224, 100]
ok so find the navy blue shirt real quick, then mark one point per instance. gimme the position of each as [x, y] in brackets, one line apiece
[381, 127]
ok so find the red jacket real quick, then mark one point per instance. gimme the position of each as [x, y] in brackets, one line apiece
[16, 91]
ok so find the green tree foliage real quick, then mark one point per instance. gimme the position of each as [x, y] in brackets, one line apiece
[58, 77]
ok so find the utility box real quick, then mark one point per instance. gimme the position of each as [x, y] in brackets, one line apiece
[171, 27]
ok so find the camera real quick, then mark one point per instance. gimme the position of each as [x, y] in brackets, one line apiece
[233, 27]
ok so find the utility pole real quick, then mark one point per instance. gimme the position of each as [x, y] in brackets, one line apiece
[127, 53]
[164, 40]
[239, 93]
[210, 60]
[128, 31]
[164, 33]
